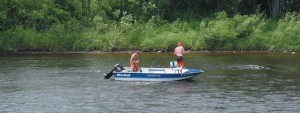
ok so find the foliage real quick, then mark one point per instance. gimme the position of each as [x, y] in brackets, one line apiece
[148, 25]
[286, 37]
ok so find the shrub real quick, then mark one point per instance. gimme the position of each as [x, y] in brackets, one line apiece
[286, 37]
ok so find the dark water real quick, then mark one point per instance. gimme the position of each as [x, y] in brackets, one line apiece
[73, 83]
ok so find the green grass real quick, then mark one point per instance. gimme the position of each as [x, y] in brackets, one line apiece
[240, 33]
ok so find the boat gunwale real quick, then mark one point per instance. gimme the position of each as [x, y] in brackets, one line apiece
[160, 71]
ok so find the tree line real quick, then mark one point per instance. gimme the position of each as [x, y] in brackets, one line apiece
[110, 25]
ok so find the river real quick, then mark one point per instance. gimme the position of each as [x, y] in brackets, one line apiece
[73, 83]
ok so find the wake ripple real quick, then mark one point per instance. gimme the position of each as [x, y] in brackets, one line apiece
[246, 67]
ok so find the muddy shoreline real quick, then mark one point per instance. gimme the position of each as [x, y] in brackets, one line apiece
[129, 52]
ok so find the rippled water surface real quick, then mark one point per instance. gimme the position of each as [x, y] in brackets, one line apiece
[73, 83]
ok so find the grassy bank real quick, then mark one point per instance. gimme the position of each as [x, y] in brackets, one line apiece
[239, 33]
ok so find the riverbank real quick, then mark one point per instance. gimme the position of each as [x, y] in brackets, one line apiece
[130, 52]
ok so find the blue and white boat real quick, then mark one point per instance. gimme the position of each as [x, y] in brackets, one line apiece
[153, 74]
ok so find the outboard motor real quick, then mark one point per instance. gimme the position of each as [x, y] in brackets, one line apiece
[117, 68]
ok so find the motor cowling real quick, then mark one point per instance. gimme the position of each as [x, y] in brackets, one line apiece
[118, 68]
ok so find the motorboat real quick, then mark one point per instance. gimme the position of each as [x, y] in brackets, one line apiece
[172, 73]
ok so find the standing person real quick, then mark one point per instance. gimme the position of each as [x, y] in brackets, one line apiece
[134, 60]
[179, 51]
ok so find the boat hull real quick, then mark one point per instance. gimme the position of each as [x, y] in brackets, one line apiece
[157, 74]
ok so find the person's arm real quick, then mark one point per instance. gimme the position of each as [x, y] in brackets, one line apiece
[131, 58]
[137, 58]
[134, 58]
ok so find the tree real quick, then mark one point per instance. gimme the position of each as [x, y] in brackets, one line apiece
[274, 7]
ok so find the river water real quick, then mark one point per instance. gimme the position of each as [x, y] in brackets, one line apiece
[73, 83]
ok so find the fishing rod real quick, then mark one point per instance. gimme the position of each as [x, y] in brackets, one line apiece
[154, 62]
